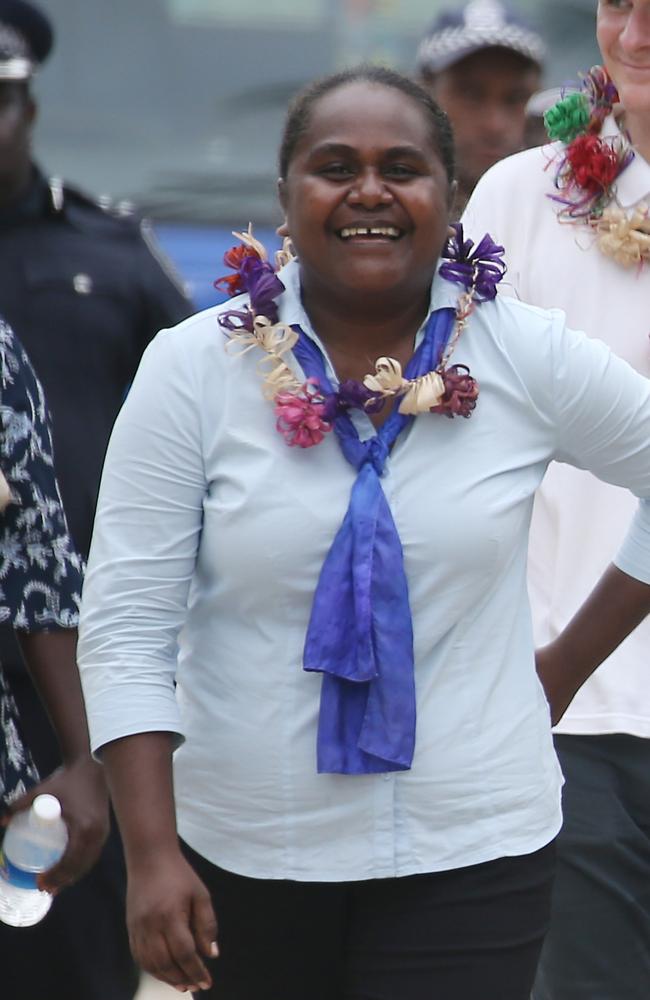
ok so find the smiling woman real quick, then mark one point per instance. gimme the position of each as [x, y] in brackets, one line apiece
[334, 636]
[366, 184]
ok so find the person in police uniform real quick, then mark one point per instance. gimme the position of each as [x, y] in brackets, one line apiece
[481, 62]
[87, 289]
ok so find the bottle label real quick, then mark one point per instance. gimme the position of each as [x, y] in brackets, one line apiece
[17, 877]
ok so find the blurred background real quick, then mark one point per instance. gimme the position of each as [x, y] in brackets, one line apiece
[177, 105]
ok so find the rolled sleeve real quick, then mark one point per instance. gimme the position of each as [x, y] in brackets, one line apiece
[144, 550]
[603, 420]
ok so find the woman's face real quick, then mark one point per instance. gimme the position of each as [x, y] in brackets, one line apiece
[366, 195]
[623, 30]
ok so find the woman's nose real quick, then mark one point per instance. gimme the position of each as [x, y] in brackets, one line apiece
[369, 189]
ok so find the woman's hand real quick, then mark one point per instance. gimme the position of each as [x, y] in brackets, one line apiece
[81, 789]
[171, 922]
[616, 605]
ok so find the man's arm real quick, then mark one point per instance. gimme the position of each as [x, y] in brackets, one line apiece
[79, 784]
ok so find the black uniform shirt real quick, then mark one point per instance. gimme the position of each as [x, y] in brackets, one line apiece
[85, 293]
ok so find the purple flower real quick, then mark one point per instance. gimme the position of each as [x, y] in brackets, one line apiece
[263, 286]
[351, 395]
[481, 270]
[461, 392]
[237, 319]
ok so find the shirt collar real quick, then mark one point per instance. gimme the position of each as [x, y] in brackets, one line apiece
[633, 185]
[444, 294]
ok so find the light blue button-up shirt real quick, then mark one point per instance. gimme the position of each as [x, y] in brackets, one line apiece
[209, 539]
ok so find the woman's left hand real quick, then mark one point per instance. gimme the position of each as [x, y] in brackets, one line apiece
[81, 789]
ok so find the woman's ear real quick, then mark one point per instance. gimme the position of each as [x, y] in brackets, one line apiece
[283, 230]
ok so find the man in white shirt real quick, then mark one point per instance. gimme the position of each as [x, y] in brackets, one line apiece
[599, 943]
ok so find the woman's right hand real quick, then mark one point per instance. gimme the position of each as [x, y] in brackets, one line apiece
[171, 922]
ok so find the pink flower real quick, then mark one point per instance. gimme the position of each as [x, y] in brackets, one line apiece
[300, 417]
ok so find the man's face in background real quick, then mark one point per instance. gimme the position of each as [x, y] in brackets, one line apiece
[17, 113]
[485, 95]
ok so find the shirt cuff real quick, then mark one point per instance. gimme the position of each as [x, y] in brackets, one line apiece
[130, 709]
[633, 557]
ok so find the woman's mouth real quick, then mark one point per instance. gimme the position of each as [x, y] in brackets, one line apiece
[369, 233]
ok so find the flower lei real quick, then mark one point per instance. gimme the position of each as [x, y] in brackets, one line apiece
[304, 412]
[589, 168]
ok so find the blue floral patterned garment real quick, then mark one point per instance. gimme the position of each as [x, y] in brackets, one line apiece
[40, 573]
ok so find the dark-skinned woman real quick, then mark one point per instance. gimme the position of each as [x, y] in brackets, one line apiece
[300, 529]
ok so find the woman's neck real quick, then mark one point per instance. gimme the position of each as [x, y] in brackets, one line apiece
[355, 339]
[638, 128]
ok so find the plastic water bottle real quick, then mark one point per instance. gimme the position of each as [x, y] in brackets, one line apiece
[34, 841]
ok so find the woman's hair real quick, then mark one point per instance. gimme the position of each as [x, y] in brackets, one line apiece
[300, 111]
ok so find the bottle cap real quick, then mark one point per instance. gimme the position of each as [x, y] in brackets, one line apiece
[46, 809]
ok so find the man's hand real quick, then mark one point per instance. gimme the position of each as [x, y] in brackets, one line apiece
[81, 789]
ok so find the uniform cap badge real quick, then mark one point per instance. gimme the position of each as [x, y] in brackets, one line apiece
[82, 284]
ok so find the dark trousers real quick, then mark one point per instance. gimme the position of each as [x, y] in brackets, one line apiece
[598, 946]
[470, 934]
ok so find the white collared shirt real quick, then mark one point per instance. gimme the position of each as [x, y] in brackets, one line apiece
[578, 522]
[210, 526]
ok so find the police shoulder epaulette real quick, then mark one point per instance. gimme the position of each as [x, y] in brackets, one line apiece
[63, 195]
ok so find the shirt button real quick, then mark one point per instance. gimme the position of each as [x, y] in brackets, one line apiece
[387, 776]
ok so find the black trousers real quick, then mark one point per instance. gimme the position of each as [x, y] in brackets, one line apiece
[470, 934]
[598, 946]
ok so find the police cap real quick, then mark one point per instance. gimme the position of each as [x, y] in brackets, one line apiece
[26, 39]
[482, 24]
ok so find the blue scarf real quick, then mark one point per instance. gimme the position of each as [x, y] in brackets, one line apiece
[360, 634]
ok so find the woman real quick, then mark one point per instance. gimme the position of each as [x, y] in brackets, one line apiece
[350, 850]
[575, 219]
[40, 589]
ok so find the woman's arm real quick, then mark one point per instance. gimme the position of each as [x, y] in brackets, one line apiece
[614, 608]
[170, 917]
[601, 414]
[79, 784]
[142, 563]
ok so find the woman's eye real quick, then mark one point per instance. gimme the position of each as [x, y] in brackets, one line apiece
[336, 170]
[400, 170]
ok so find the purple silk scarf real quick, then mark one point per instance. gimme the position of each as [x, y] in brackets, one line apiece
[360, 634]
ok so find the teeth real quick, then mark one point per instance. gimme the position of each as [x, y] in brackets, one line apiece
[389, 231]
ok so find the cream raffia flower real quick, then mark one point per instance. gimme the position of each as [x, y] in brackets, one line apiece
[625, 237]
[279, 378]
[274, 338]
[285, 255]
[388, 378]
[423, 394]
[249, 240]
[420, 394]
